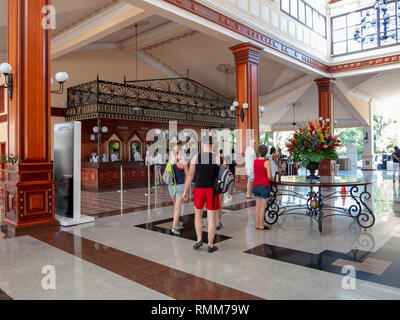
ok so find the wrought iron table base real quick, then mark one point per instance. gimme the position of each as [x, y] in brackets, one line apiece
[315, 207]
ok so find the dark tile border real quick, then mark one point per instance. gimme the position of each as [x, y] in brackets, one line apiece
[168, 281]
[187, 232]
[323, 261]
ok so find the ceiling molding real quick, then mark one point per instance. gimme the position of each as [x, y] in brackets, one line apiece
[105, 23]
[156, 35]
[85, 18]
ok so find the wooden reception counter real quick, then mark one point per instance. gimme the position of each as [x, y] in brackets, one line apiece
[105, 176]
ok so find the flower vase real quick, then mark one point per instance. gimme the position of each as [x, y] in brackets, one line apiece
[312, 167]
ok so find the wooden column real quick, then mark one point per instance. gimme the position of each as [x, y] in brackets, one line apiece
[325, 96]
[325, 106]
[29, 184]
[246, 58]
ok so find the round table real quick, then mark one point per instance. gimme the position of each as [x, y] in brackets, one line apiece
[315, 201]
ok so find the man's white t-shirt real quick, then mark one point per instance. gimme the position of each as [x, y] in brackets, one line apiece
[158, 159]
[249, 156]
[114, 157]
[137, 156]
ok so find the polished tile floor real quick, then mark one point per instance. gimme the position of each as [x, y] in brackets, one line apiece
[129, 253]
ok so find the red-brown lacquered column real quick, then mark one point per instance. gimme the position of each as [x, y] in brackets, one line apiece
[326, 111]
[29, 184]
[246, 58]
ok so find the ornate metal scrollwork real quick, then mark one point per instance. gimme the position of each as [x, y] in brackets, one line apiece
[273, 209]
[176, 95]
[364, 219]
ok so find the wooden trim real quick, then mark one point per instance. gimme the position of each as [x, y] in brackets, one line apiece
[3, 118]
[57, 112]
[369, 63]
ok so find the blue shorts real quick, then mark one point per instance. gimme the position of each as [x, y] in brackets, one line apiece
[262, 192]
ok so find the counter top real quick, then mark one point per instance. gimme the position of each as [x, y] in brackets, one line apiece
[105, 165]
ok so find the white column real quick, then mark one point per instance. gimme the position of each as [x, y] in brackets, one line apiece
[368, 135]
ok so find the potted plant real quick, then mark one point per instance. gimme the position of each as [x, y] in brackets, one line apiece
[309, 146]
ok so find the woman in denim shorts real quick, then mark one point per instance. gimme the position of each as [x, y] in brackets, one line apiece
[262, 186]
[181, 169]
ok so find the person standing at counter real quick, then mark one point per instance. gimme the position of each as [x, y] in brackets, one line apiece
[137, 156]
[158, 161]
[114, 156]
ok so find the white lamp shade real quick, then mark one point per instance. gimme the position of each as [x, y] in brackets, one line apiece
[5, 68]
[236, 104]
[95, 129]
[232, 108]
[104, 129]
[262, 109]
[61, 77]
[158, 131]
[245, 106]
[328, 120]
[320, 118]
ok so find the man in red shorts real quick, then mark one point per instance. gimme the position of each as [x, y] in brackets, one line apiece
[205, 165]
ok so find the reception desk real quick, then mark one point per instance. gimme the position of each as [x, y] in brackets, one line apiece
[106, 176]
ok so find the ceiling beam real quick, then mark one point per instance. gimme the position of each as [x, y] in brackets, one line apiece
[105, 23]
[146, 39]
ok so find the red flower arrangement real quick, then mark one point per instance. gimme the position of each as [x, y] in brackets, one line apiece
[313, 144]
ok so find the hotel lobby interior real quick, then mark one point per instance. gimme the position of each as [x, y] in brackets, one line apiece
[126, 75]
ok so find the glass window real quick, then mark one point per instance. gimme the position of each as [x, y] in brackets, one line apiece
[353, 45]
[309, 16]
[302, 12]
[339, 48]
[322, 25]
[388, 38]
[299, 10]
[353, 19]
[293, 8]
[339, 35]
[285, 6]
[315, 21]
[370, 43]
[377, 31]
[339, 23]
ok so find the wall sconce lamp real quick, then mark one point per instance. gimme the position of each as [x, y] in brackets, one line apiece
[6, 69]
[245, 106]
[61, 78]
[327, 119]
[262, 110]
[366, 137]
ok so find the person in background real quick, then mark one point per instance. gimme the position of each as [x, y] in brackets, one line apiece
[166, 156]
[205, 165]
[181, 170]
[280, 160]
[249, 157]
[396, 162]
[221, 196]
[137, 155]
[275, 165]
[157, 160]
[262, 186]
[114, 156]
